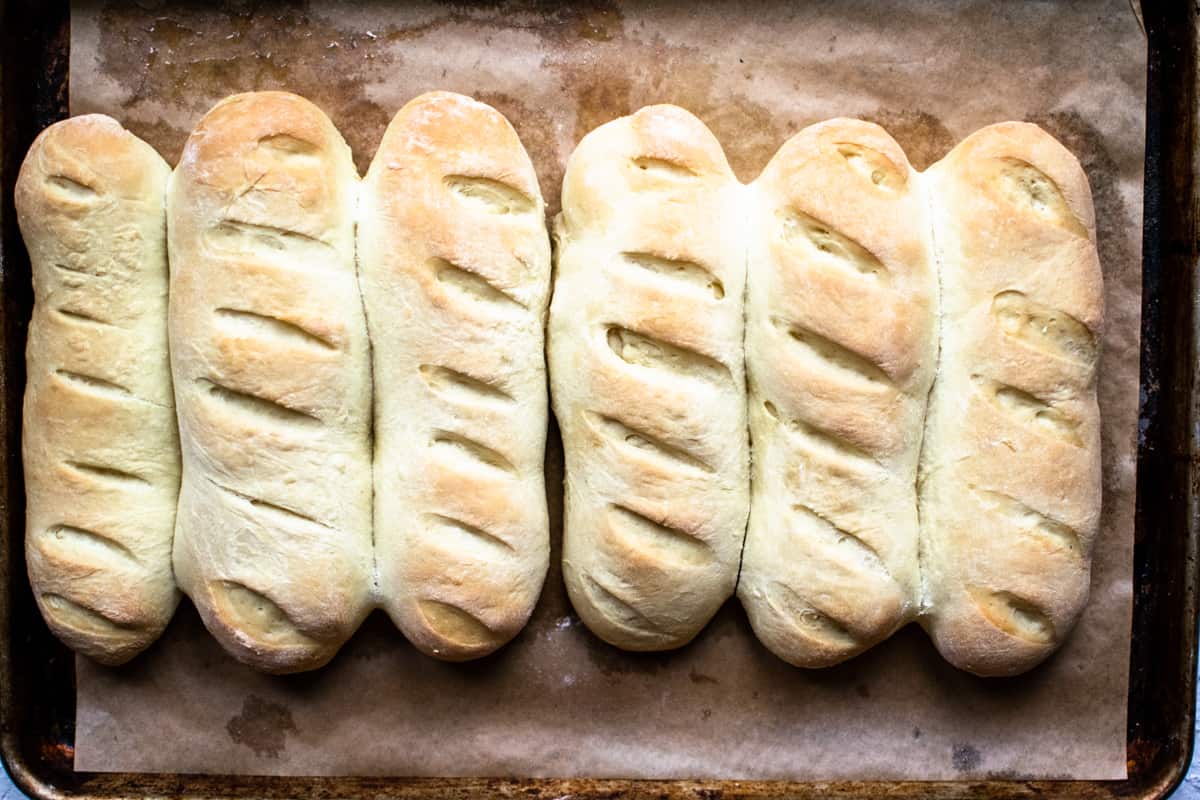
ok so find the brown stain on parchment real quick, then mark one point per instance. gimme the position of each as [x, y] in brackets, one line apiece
[601, 101]
[618, 81]
[922, 136]
[600, 23]
[262, 726]
[190, 57]
[965, 758]
[598, 20]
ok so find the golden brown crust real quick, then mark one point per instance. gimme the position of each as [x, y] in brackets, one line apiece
[840, 352]
[1010, 491]
[455, 271]
[271, 364]
[646, 368]
[645, 343]
[99, 434]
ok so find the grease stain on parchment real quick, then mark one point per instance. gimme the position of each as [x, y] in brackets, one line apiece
[922, 136]
[966, 758]
[262, 726]
[655, 71]
[187, 57]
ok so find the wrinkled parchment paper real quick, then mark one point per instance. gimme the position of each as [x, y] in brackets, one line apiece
[557, 702]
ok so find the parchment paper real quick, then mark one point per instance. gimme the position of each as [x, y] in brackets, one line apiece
[557, 702]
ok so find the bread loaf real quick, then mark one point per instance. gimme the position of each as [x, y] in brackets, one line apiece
[1010, 472]
[101, 454]
[646, 367]
[455, 273]
[840, 353]
[271, 363]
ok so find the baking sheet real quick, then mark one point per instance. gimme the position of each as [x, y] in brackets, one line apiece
[557, 702]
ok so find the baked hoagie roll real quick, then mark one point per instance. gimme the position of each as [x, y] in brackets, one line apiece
[271, 363]
[841, 348]
[645, 353]
[1010, 473]
[456, 274]
[100, 448]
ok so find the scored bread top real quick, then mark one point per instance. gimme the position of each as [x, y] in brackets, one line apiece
[455, 271]
[1023, 216]
[271, 356]
[841, 350]
[646, 365]
[1013, 436]
[99, 434]
[852, 283]
[84, 161]
[271, 364]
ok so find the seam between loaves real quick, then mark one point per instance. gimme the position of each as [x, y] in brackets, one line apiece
[924, 184]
